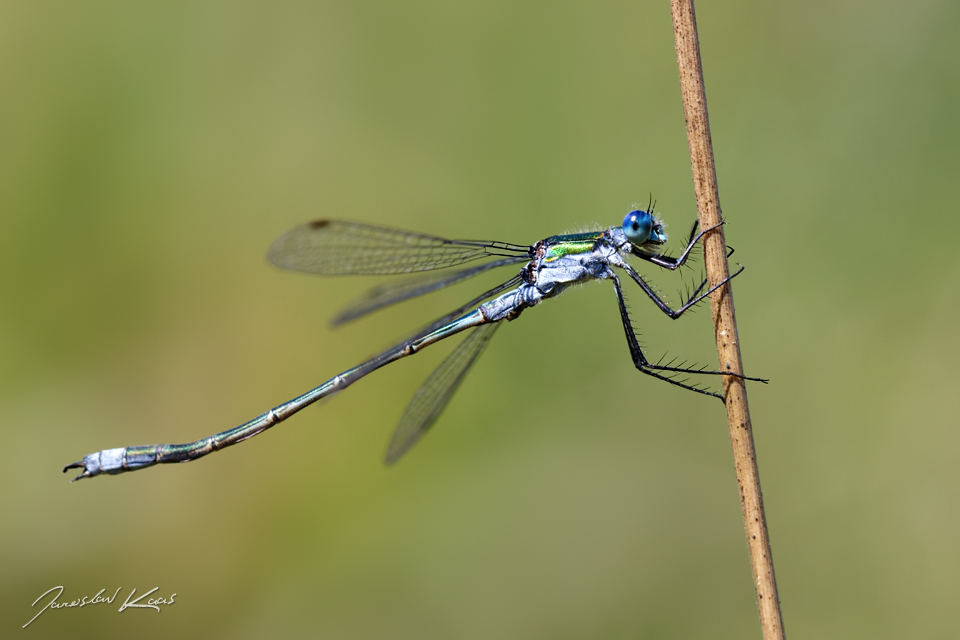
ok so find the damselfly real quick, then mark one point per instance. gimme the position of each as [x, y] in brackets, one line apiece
[333, 247]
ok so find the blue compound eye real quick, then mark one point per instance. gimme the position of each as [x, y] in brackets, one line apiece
[637, 226]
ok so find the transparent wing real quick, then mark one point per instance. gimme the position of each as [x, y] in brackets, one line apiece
[335, 247]
[392, 293]
[439, 322]
[432, 397]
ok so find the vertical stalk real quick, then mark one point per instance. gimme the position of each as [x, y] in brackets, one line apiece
[724, 319]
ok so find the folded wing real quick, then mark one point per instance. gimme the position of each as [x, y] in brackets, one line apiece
[432, 397]
[335, 247]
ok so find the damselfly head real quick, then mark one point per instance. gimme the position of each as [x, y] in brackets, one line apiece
[643, 230]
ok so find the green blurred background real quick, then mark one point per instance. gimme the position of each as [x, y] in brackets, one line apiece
[149, 154]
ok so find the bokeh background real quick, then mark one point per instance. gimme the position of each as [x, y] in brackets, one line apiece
[149, 154]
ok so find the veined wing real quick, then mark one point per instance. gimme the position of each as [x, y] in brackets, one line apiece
[439, 322]
[335, 247]
[432, 397]
[394, 292]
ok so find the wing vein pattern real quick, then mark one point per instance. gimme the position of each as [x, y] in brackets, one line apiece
[432, 397]
[394, 292]
[336, 247]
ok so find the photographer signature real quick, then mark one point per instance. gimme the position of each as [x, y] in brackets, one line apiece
[152, 603]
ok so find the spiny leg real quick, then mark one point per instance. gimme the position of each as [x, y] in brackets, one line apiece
[645, 366]
[671, 263]
[691, 240]
[692, 300]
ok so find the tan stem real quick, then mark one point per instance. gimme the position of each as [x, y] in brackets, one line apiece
[724, 319]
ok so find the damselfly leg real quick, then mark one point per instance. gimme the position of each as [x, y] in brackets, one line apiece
[671, 263]
[692, 300]
[651, 369]
[551, 266]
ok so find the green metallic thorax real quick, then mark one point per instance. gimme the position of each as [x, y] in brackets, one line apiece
[572, 244]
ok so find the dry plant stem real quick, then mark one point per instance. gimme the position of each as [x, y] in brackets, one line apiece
[724, 320]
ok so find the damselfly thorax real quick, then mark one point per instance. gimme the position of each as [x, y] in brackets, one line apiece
[333, 247]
